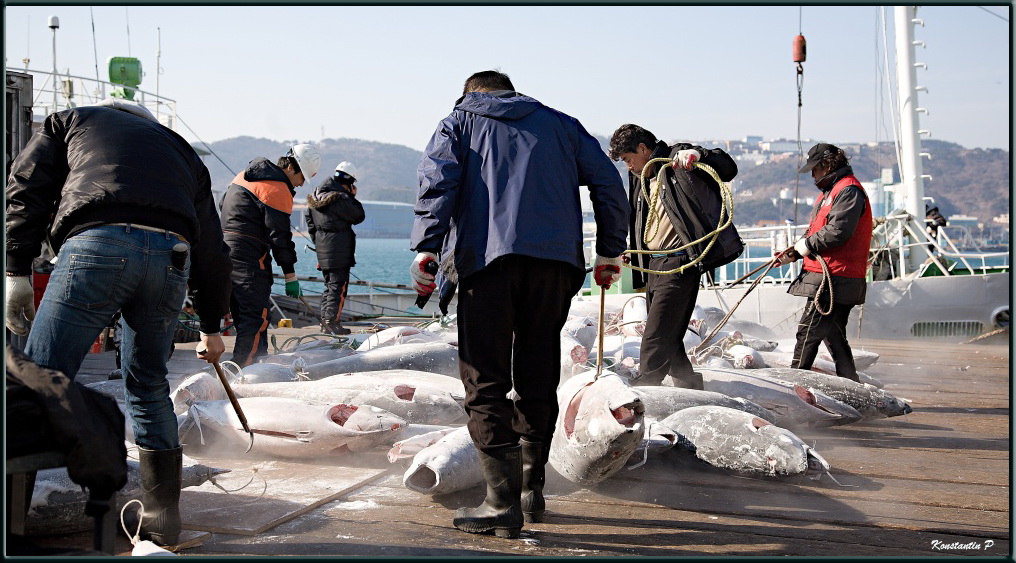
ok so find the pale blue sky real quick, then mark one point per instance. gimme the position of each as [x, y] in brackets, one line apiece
[389, 74]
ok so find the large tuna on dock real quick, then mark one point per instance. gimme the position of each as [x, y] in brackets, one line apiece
[416, 404]
[286, 428]
[435, 357]
[661, 401]
[732, 439]
[794, 405]
[869, 400]
[450, 464]
[599, 426]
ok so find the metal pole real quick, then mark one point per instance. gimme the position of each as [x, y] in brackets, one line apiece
[911, 171]
[54, 24]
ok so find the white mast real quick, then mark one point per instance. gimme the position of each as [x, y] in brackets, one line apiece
[54, 24]
[911, 170]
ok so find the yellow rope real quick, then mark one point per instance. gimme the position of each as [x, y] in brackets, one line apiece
[653, 220]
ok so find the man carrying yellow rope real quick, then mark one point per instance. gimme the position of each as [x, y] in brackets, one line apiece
[679, 228]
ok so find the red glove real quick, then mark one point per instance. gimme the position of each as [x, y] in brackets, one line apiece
[423, 281]
[606, 271]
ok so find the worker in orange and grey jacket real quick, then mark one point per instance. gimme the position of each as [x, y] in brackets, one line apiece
[839, 233]
[255, 221]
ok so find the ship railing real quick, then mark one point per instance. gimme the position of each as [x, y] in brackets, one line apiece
[51, 94]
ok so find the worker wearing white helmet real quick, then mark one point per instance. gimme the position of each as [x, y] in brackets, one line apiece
[332, 210]
[255, 216]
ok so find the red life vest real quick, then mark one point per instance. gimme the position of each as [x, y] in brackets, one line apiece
[851, 259]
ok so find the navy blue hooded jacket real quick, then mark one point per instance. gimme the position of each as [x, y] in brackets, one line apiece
[501, 175]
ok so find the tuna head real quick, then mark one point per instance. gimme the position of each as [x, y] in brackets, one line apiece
[599, 426]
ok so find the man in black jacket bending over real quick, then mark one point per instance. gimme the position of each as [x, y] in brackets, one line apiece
[663, 221]
[127, 205]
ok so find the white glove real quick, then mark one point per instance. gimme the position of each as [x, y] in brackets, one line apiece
[787, 256]
[423, 281]
[801, 248]
[686, 158]
[19, 298]
[606, 271]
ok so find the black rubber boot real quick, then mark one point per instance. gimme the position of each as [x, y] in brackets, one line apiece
[501, 511]
[534, 475]
[689, 381]
[161, 472]
[334, 327]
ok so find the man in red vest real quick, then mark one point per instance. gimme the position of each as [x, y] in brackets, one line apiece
[835, 253]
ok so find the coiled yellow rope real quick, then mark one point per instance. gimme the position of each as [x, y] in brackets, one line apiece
[653, 220]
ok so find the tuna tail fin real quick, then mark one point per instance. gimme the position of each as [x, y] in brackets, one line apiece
[818, 464]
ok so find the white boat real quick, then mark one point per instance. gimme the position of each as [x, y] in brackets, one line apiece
[918, 287]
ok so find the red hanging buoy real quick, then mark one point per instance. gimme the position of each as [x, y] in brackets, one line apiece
[800, 49]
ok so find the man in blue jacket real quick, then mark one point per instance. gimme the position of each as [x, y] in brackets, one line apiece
[499, 191]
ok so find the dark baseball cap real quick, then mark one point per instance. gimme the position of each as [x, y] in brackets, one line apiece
[816, 154]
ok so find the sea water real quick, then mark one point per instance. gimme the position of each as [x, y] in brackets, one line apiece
[379, 260]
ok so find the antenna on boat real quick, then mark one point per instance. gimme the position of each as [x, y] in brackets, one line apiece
[28, 43]
[127, 16]
[158, 58]
[95, 49]
[54, 24]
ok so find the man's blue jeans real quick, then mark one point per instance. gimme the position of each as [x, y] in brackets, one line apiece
[103, 270]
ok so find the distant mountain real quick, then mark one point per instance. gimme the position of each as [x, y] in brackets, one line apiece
[965, 181]
[387, 172]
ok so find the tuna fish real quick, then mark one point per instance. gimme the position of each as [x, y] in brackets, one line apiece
[744, 357]
[288, 428]
[312, 356]
[266, 372]
[450, 464]
[451, 385]
[779, 359]
[58, 504]
[582, 329]
[415, 438]
[633, 316]
[739, 441]
[599, 426]
[435, 357]
[202, 386]
[661, 401]
[793, 405]
[416, 404]
[708, 317]
[398, 335]
[869, 400]
[573, 356]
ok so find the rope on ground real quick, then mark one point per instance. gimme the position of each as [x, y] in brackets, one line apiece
[987, 335]
[719, 325]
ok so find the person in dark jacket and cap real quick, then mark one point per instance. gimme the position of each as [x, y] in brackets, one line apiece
[499, 190]
[127, 205]
[332, 210]
[256, 213]
[839, 236]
